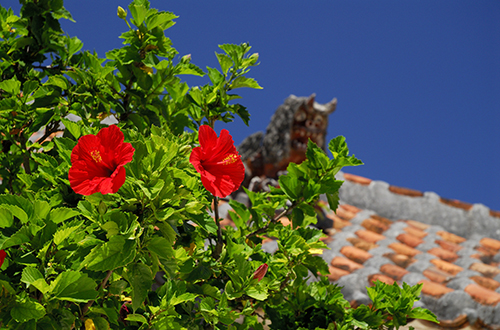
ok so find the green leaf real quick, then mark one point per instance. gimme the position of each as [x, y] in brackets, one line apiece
[72, 127]
[290, 185]
[27, 310]
[32, 276]
[257, 293]
[64, 233]
[189, 68]
[215, 76]
[422, 314]
[136, 318]
[161, 247]
[159, 19]
[333, 200]
[41, 209]
[225, 62]
[316, 157]
[11, 86]
[17, 238]
[18, 206]
[57, 80]
[117, 252]
[241, 81]
[339, 150]
[62, 213]
[230, 292]
[6, 218]
[138, 13]
[140, 278]
[73, 286]
[74, 45]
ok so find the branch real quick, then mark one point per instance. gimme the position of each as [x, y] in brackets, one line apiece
[276, 218]
[103, 283]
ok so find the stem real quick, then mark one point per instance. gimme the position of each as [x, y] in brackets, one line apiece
[103, 283]
[276, 218]
[218, 244]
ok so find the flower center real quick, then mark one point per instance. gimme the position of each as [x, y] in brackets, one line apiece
[230, 159]
[96, 155]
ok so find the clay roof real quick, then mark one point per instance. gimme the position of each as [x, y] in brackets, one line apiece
[387, 233]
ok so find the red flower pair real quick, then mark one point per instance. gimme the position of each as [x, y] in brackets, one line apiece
[218, 162]
[98, 160]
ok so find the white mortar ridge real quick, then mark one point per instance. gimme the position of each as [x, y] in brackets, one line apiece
[427, 209]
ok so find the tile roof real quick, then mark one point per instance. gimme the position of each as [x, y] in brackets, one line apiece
[387, 233]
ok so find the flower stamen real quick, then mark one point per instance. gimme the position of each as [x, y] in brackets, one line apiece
[230, 159]
[96, 155]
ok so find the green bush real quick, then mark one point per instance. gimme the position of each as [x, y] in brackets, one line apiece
[140, 250]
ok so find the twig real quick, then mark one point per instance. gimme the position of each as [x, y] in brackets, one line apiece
[276, 218]
[103, 283]
[218, 244]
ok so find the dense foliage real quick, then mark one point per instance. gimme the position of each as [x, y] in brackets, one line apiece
[144, 252]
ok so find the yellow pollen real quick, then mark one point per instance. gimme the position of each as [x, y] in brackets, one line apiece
[230, 159]
[96, 155]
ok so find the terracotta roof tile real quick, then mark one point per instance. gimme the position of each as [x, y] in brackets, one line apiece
[452, 247]
[451, 237]
[459, 322]
[486, 270]
[485, 251]
[417, 224]
[405, 191]
[383, 220]
[357, 179]
[434, 289]
[345, 264]
[374, 225]
[400, 259]
[443, 254]
[338, 222]
[486, 282]
[455, 203]
[482, 295]
[490, 243]
[350, 208]
[393, 271]
[285, 221]
[380, 277]
[415, 232]
[369, 236]
[336, 273]
[436, 275]
[409, 240]
[345, 213]
[495, 214]
[404, 249]
[355, 254]
[447, 267]
[361, 243]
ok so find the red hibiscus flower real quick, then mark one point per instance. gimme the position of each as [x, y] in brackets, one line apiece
[218, 162]
[260, 272]
[2, 257]
[98, 160]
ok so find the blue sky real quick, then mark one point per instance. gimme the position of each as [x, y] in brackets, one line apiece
[417, 82]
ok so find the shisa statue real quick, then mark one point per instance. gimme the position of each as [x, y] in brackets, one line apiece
[296, 121]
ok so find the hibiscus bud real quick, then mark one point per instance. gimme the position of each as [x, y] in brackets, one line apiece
[186, 58]
[2, 257]
[184, 150]
[122, 13]
[254, 57]
[260, 272]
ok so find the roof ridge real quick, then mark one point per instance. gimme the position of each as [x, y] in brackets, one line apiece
[396, 202]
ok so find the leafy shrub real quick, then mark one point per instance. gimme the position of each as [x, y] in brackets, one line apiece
[140, 250]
